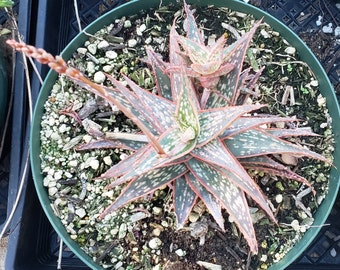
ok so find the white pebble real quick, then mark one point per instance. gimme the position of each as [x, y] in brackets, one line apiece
[58, 175]
[279, 198]
[328, 28]
[180, 252]
[52, 191]
[118, 265]
[52, 183]
[51, 121]
[107, 68]
[123, 156]
[155, 243]
[111, 54]
[141, 29]
[156, 210]
[264, 33]
[90, 67]
[87, 138]
[132, 43]
[92, 48]
[156, 232]
[82, 50]
[333, 252]
[319, 21]
[107, 160]
[73, 163]
[80, 212]
[290, 50]
[99, 77]
[295, 225]
[148, 40]
[321, 100]
[55, 136]
[94, 164]
[264, 258]
[127, 24]
[337, 31]
[63, 128]
[108, 193]
[314, 83]
[103, 44]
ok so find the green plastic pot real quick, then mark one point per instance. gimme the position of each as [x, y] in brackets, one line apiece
[134, 7]
[3, 93]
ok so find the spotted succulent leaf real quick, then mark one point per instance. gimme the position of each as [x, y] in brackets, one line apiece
[245, 123]
[217, 155]
[174, 148]
[229, 195]
[257, 142]
[270, 166]
[158, 108]
[214, 121]
[228, 87]
[145, 184]
[162, 78]
[184, 200]
[187, 110]
[291, 132]
[213, 205]
[190, 26]
[131, 145]
[175, 60]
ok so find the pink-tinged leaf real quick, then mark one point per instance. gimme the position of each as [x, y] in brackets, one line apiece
[249, 122]
[206, 69]
[212, 204]
[111, 94]
[229, 195]
[162, 78]
[174, 148]
[218, 156]
[229, 84]
[184, 200]
[216, 50]
[159, 109]
[187, 108]
[270, 166]
[198, 53]
[214, 121]
[126, 165]
[258, 143]
[291, 132]
[175, 60]
[111, 144]
[146, 184]
[190, 26]
[138, 106]
[126, 103]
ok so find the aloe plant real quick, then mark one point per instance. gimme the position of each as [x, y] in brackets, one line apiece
[199, 136]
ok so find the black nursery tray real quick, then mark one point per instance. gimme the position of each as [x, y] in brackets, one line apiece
[16, 142]
[33, 244]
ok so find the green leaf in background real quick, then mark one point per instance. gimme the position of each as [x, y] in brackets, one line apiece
[6, 3]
